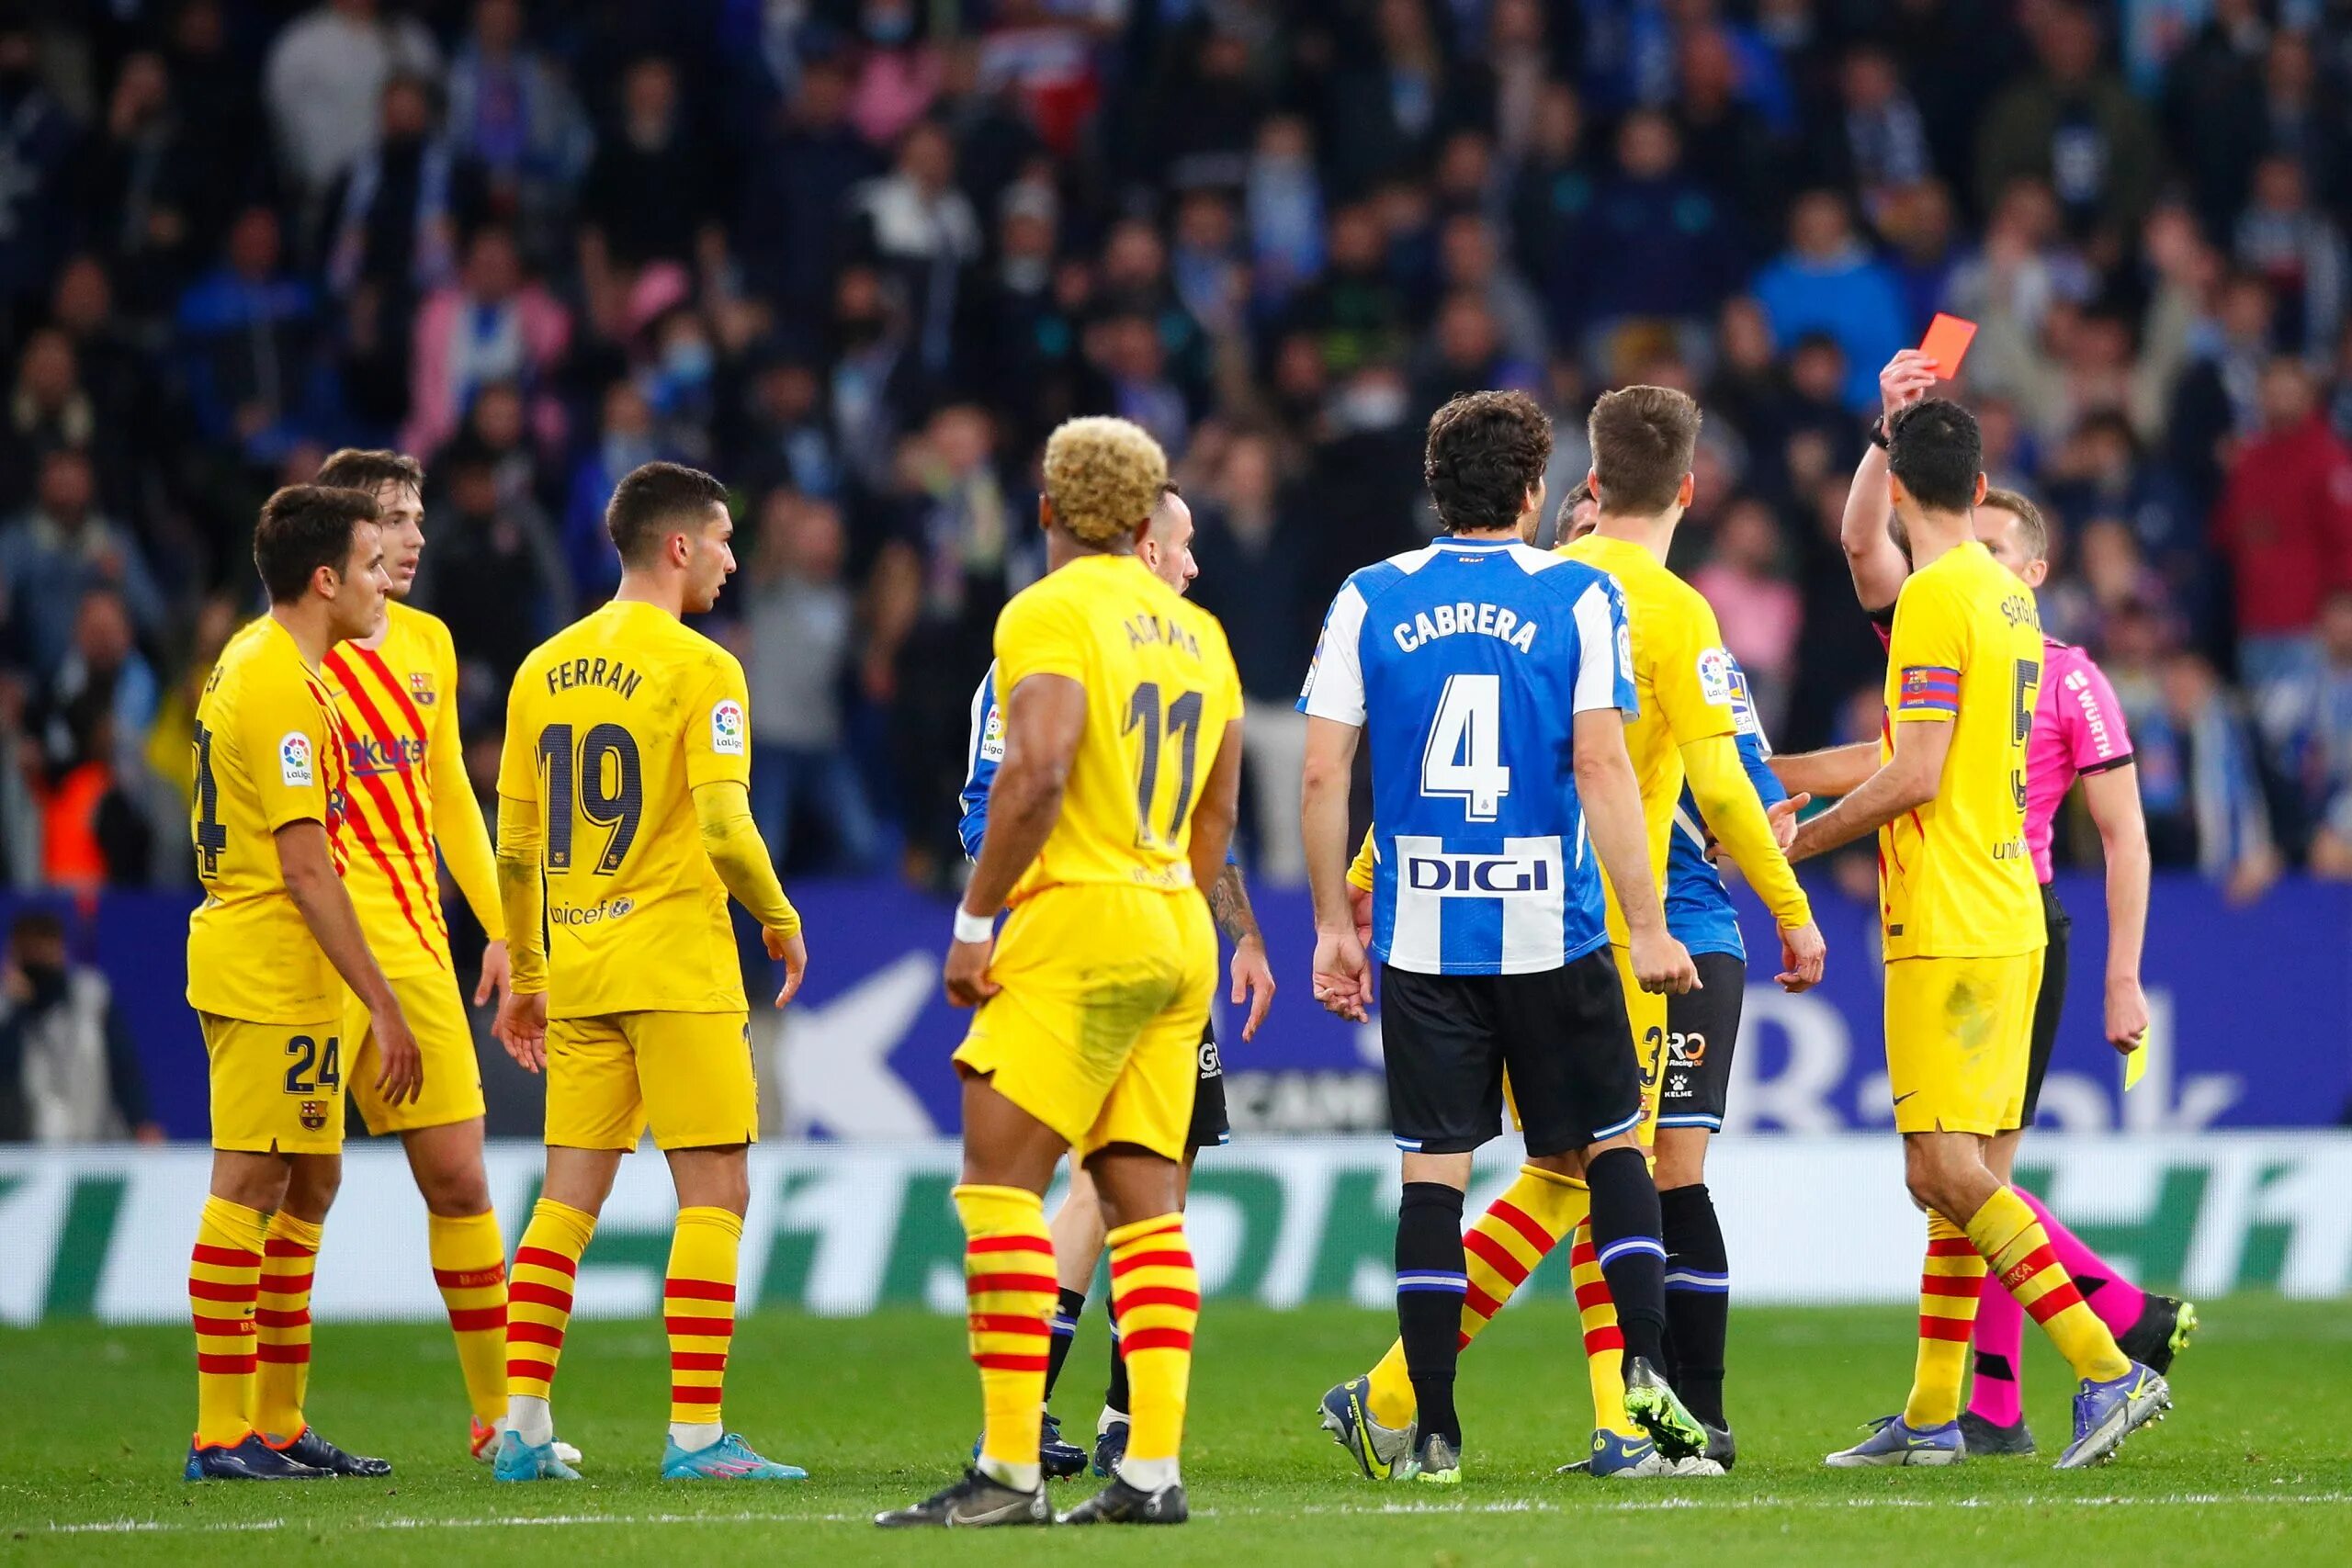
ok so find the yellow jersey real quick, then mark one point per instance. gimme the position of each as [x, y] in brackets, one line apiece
[397, 705]
[611, 725]
[1160, 688]
[1682, 677]
[1955, 876]
[265, 757]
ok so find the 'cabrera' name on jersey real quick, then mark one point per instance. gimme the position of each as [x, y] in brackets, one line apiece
[1466, 662]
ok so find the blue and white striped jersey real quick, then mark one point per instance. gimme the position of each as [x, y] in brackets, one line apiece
[1698, 908]
[981, 755]
[1467, 664]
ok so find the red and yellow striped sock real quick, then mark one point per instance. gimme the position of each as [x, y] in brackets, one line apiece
[290, 1262]
[698, 1309]
[1010, 1293]
[2011, 1239]
[1604, 1342]
[224, 1278]
[1518, 1231]
[539, 1297]
[1951, 1279]
[470, 1267]
[1155, 1295]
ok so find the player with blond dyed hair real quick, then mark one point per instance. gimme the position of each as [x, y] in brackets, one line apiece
[1108, 821]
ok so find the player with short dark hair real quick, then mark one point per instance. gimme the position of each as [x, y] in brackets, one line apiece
[265, 950]
[1477, 667]
[1964, 940]
[2078, 732]
[624, 826]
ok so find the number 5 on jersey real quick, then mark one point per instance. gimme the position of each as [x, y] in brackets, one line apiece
[1464, 759]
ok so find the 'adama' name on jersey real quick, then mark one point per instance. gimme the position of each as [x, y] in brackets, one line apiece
[610, 673]
[1145, 631]
[1462, 619]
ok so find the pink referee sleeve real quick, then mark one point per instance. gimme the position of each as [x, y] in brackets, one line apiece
[2096, 737]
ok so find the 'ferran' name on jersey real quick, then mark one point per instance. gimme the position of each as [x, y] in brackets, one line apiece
[612, 675]
[1463, 619]
[1465, 664]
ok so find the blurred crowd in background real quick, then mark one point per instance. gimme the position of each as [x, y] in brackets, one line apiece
[857, 257]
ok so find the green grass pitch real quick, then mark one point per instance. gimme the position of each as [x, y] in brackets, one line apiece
[2252, 1468]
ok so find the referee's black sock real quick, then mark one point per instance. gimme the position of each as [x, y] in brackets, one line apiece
[1625, 1241]
[1065, 1316]
[1431, 1282]
[1698, 1298]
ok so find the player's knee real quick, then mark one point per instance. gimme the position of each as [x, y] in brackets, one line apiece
[1681, 1157]
[310, 1188]
[455, 1192]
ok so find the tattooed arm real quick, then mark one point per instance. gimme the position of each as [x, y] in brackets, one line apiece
[1253, 978]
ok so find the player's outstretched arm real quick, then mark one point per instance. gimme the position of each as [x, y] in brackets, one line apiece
[1045, 719]
[521, 1022]
[2113, 796]
[1342, 973]
[1877, 566]
[1908, 780]
[1827, 774]
[307, 865]
[731, 840]
[1735, 813]
[1612, 798]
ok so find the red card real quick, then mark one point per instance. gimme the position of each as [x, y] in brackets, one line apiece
[1947, 343]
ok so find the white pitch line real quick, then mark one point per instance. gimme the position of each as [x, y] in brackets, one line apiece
[1516, 1505]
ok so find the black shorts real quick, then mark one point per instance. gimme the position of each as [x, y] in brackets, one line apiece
[2050, 1003]
[1701, 1026]
[1210, 1124]
[1562, 1033]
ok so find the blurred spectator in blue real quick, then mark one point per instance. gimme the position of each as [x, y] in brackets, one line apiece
[393, 215]
[156, 178]
[650, 194]
[2299, 249]
[1388, 105]
[802, 624]
[1283, 198]
[1464, 352]
[2100, 472]
[1829, 281]
[54, 553]
[1202, 114]
[248, 334]
[38, 145]
[1552, 185]
[624, 441]
[2075, 125]
[494, 572]
[1656, 253]
[923, 230]
[2303, 115]
[492, 324]
[786, 440]
[2285, 524]
[1205, 268]
[2201, 779]
[1872, 140]
[2218, 400]
[1924, 250]
[326, 77]
[2306, 720]
[1727, 145]
[1470, 260]
[511, 111]
[68, 1068]
[680, 380]
[2213, 109]
[792, 232]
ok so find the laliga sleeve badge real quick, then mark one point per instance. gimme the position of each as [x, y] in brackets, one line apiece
[1715, 681]
[294, 764]
[727, 728]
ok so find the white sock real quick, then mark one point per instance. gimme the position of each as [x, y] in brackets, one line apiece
[696, 1436]
[529, 1419]
[1020, 1477]
[1148, 1474]
[1108, 1419]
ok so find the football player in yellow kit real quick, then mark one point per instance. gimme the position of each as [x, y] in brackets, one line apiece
[624, 824]
[264, 951]
[396, 698]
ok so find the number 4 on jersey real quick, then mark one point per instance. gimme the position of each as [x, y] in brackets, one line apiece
[1464, 759]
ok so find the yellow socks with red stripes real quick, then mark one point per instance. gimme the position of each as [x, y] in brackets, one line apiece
[1604, 1339]
[469, 1267]
[538, 1311]
[224, 1278]
[282, 1325]
[2011, 1239]
[1518, 1231]
[1156, 1296]
[1010, 1292]
[698, 1309]
[1952, 1280]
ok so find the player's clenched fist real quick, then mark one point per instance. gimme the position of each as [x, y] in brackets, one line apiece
[966, 973]
[1662, 964]
[1803, 954]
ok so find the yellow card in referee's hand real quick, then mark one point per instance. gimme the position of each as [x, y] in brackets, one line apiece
[2135, 1065]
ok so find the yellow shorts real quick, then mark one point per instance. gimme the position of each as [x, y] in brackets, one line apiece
[1646, 1011]
[277, 1088]
[1957, 1034]
[1097, 1032]
[444, 1039]
[687, 1074]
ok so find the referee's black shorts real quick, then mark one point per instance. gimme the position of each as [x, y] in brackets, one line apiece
[2050, 1003]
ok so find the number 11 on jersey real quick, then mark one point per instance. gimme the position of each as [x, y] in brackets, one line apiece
[1463, 759]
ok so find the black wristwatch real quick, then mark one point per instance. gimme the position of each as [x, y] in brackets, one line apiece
[1878, 434]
